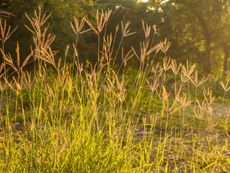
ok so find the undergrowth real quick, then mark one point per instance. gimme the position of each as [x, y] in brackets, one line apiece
[108, 116]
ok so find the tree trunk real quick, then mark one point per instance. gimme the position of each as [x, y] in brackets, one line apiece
[226, 58]
[207, 58]
[207, 33]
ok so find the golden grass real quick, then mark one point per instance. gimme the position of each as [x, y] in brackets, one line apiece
[106, 117]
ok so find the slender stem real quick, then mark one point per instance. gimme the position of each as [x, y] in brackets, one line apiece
[118, 49]
[98, 48]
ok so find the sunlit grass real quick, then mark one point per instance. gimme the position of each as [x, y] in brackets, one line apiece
[156, 117]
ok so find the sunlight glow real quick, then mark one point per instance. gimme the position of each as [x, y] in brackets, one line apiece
[144, 1]
[164, 1]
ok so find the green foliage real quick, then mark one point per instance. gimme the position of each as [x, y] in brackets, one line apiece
[198, 30]
[148, 116]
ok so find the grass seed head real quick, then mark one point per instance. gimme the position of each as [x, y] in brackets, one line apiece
[102, 17]
[125, 30]
[225, 86]
[5, 30]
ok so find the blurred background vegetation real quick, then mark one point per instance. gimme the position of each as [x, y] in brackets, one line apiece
[199, 30]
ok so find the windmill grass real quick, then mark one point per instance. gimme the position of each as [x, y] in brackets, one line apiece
[107, 117]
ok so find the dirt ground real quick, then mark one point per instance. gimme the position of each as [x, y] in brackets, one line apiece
[221, 110]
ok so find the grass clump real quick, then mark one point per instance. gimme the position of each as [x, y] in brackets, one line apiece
[105, 117]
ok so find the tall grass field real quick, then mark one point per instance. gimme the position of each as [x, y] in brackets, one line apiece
[65, 116]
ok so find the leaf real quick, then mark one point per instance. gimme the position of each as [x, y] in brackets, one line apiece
[228, 160]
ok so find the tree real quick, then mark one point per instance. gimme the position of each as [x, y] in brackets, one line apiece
[225, 43]
[196, 27]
